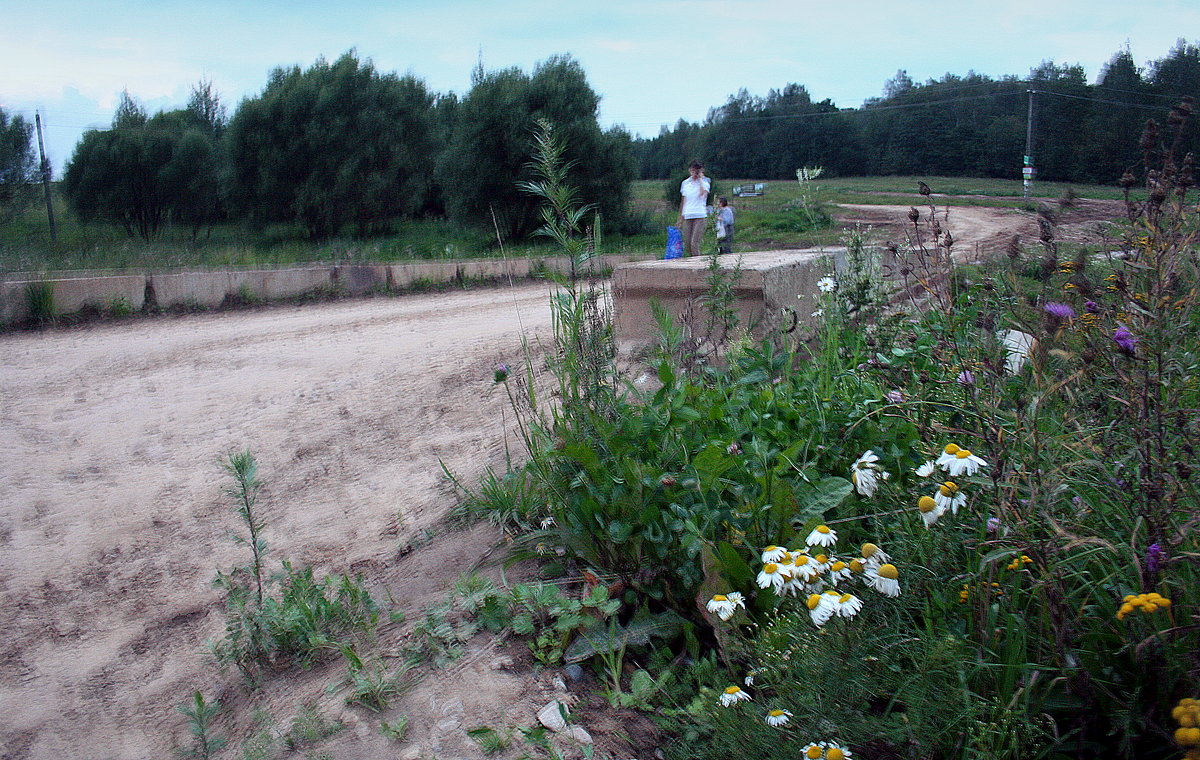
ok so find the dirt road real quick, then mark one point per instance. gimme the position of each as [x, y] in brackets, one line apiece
[112, 518]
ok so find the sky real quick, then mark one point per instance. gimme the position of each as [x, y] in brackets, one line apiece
[652, 62]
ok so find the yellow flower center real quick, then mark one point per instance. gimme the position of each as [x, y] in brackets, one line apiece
[801, 561]
[822, 559]
[770, 568]
[963, 453]
[889, 571]
[868, 550]
[771, 548]
[813, 601]
[720, 598]
[951, 449]
[813, 752]
[822, 529]
[834, 753]
[926, 504]
[949, 488]
[838, 566]
[856, 566]
[733, 689]
[845, 598]
[775, 713]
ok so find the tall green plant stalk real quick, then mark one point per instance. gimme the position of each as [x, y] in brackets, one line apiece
[244, 470]
[200, 714]
[562, 213]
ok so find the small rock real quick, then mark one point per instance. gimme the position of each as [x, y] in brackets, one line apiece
[449, 724]
[504, 662]
[559, 684]
[412, 753]
[551, 716]
[574, 673]
[579, 734]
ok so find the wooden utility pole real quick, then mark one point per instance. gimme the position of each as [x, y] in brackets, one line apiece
[1027, 171]
[45, 166]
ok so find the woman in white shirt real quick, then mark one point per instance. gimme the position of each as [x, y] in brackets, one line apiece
[693, 211]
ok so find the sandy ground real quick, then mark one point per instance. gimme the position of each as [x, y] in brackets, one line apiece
[112, 517]
[113, 522]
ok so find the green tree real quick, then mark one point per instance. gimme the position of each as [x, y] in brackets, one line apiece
[332, 146]
[18, 166]
[145, 172]
[493, 137]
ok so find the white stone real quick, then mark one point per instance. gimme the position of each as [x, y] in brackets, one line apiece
[551, 716]
[579, 734]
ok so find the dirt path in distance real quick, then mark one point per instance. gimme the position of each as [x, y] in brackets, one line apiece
[112, 517]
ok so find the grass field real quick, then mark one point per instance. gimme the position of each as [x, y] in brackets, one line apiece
[771, 221]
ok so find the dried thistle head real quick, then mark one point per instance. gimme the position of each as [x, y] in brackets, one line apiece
[914, 216]
[1013, 248]
[923, 189]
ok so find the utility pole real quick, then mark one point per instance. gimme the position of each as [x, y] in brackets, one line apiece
[1027, 171]
[37, 118]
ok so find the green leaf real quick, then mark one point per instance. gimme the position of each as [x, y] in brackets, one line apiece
[663, 625]
[619, 532]
[826, 496]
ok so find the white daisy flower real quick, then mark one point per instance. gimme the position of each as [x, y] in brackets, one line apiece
[733, 695]
[547, 522]
[778, 718]
[827, 284]
[964, 463]
[822, 561]
[927, 469]
[848, 605]
[774, 553]
[948, 455]
[873, 555]
[949, 496]
[821, 608]
[834, 751]
[885, 580]
[839, 571]
[930, 511]
[819, 313]
[813, 751]
[821, 535]
[725, 605]
[770, 577]
[807, 568]
[866, 474]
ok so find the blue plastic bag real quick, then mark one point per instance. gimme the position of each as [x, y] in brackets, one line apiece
[674, 243]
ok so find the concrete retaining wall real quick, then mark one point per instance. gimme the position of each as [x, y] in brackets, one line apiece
[74, 291]
[774, 290]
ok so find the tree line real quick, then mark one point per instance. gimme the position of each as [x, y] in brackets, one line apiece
[969, 125]
[341, 148]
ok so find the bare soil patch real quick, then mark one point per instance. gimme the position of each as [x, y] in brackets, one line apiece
[981, 231]
[113, 522]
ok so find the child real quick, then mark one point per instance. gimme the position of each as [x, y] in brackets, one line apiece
[724, 226]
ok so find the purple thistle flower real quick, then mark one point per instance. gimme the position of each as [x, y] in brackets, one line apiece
[1154, 558]
[501, 373]
[1091, 307]
[993, 524]
[1125, 339]
[1059, 310]
[894, 397]
[966, 377]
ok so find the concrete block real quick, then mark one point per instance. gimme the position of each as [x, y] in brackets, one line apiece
[405, 275]
[495, 269]
[356, 279]
[74, 294]
[206, 289]
[284, 283]
[774, 291]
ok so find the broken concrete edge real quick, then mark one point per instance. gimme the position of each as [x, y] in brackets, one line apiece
[31, 300]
